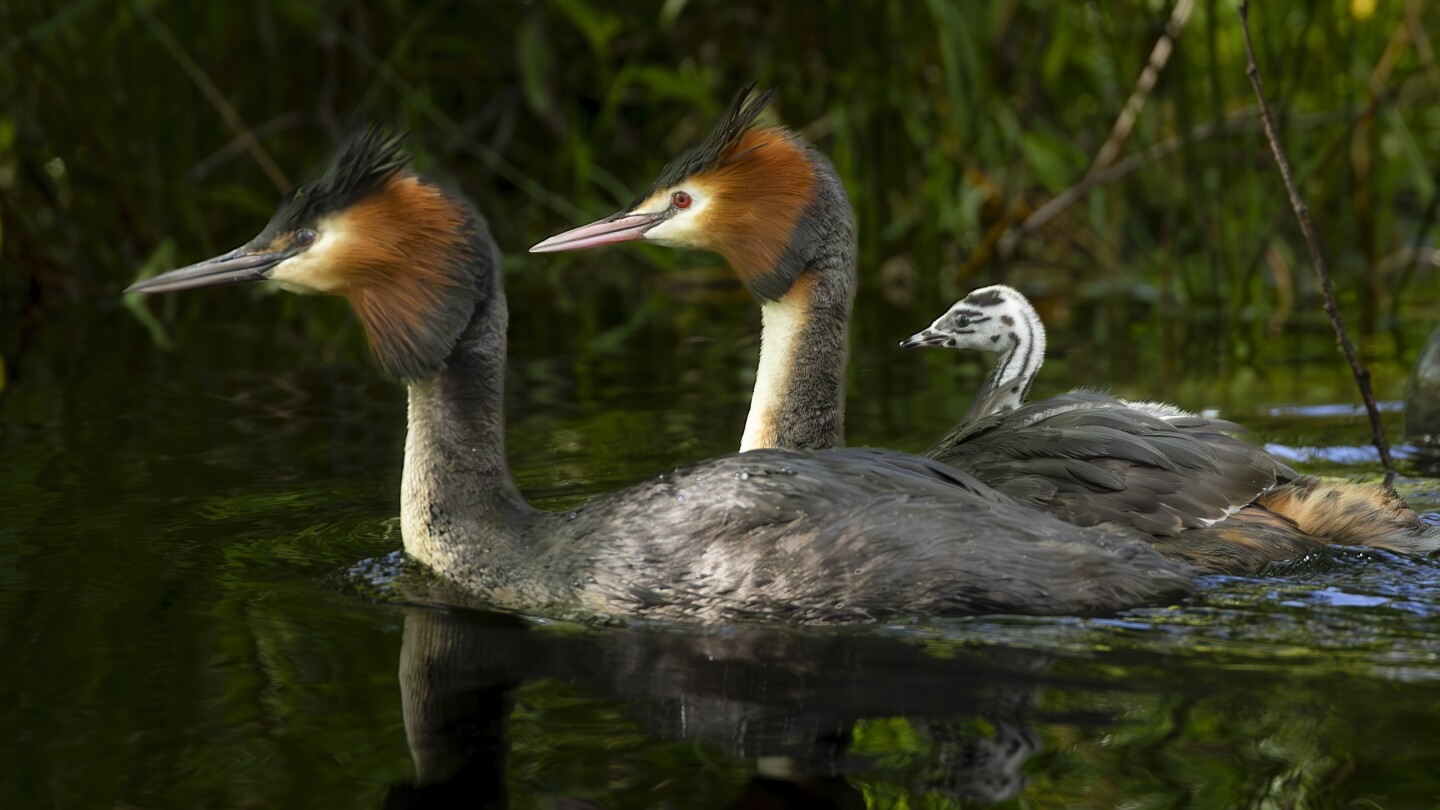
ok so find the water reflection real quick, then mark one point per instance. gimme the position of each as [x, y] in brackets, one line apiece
[1241, 679]
[785, 701]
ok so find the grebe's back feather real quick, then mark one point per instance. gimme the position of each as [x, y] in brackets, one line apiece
[754, 536]
[1088, 458]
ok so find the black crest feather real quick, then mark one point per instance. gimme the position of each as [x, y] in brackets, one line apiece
[739, 117]
[366, 159]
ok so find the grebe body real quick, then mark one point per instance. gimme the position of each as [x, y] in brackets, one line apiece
[1092, 458]
[776, 535]
[773, 206]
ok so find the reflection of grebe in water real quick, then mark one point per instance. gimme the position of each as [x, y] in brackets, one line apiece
[846, 535]
[785, 701]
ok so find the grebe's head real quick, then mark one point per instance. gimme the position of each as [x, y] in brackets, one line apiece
[409, 256]
[990, 319]
[747, 193]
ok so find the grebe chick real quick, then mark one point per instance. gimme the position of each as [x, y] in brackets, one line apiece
[847, 535]
[1090, 458]
[1000, 320]
[992, 319]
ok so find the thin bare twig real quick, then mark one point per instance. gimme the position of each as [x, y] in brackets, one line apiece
[58, 21]
[204, 166]
[1302, 213]
[1159, 55]
[216, 98]
[1234, 124]
[1421, 41]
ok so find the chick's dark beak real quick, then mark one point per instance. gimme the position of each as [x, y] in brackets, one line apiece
[236, 267]
[608, 231]
[926, 337]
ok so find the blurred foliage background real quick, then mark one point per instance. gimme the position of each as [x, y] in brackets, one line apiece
[143, 133]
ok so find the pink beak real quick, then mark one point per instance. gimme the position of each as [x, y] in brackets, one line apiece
[608, 231]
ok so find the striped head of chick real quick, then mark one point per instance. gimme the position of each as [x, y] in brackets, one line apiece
[995, 319]
[752, 192]
[401, 249]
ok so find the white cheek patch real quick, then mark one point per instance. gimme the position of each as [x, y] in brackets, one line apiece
[979, 341]
[686, 227]
[317, 268]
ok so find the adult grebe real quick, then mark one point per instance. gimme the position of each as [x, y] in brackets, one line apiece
[774, 207]
[1000, 441]
[773, 535]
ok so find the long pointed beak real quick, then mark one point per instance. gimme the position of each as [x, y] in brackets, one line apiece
[608, 231]
[235, 267]
[927, 337]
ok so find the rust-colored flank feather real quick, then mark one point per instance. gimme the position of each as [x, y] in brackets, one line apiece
[1245, 541]
[761, 187]
[399, 260]
[1351, 514]
[1301, 516]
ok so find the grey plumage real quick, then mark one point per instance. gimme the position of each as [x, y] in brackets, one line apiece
[1086, 456]
[1089, 459]
[825, 537]
[1206, 497]
[822, 246]
[772, 535]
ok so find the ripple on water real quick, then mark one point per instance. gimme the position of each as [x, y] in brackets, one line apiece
[1356, 610]
[1362, 611]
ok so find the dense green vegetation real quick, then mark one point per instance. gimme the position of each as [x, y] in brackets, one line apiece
[129, 130]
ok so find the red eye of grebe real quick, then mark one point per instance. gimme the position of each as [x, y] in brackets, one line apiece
[680, 199]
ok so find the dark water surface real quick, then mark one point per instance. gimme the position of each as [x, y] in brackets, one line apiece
[176, 529]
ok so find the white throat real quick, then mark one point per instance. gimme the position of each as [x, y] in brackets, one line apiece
[781, 323]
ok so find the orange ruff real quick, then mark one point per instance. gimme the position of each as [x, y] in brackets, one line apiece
[761, 187]
[399, 264]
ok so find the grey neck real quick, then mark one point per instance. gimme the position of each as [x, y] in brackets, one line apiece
[457, 496]
[1009, 383]
[799, 399]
